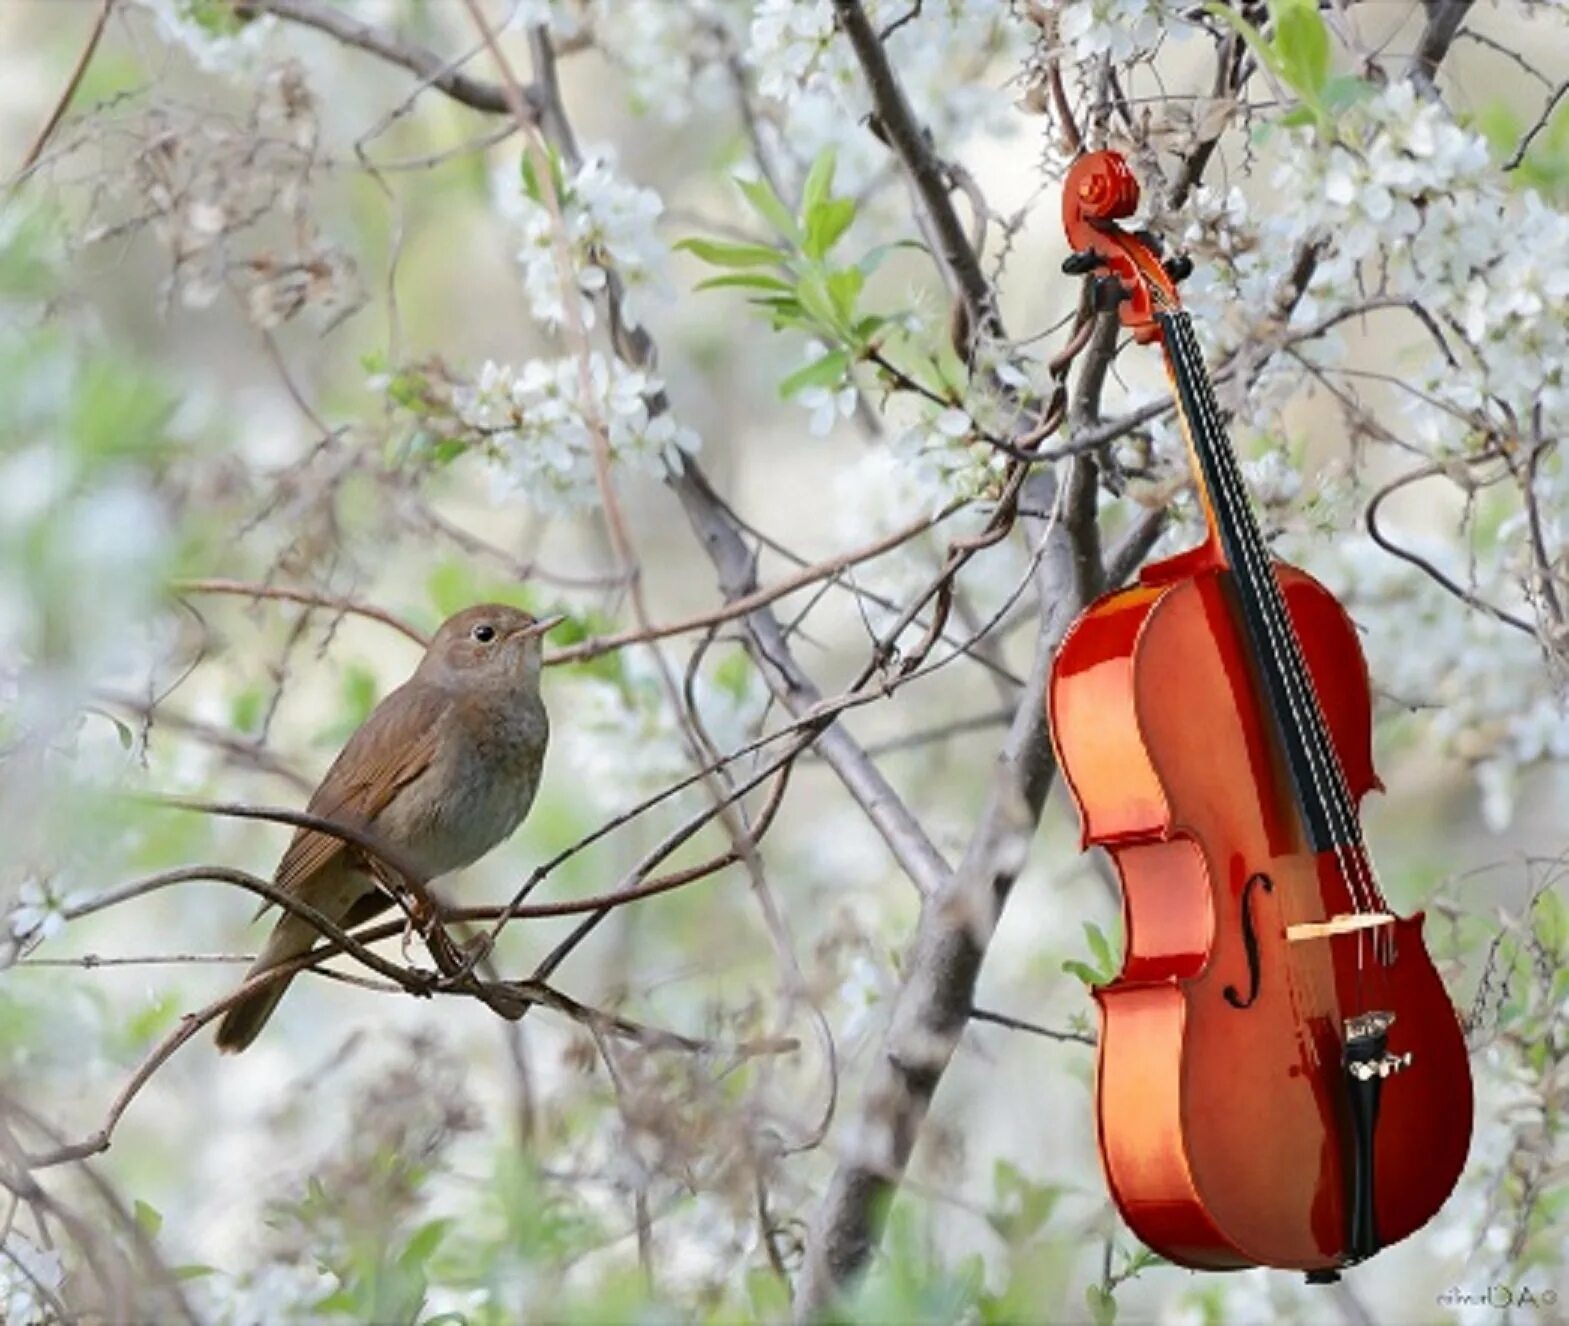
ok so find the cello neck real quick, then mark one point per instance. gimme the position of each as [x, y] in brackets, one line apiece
[1328, 815]
[1217, 477]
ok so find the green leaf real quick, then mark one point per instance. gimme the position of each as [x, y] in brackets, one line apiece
[844, 288]
[531, 185]
[193, 1271]
[116, 413]
[746, 281]
[825, 224]
[1344, 90]
[1102, 1306]
[122, 730]
[786, 311]
[868, 327]
[1551, 922]
[1098, 946]
[423, 1242]
[765, 202]
[828, 371]
[1025, 1206]
[152, 1019]
[1085, 973]
[812, 291]
[720, 254]
[734, 674]
[819, 185]
[217, 18]
[148, 1218]
[1302, 44]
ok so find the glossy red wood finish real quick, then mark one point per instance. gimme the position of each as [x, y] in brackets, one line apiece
[1099, 191]
[1224, 1130]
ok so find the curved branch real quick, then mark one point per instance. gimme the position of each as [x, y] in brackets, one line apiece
[1376, 533]
[912, 144]
[63, 103]
[418, 60]
[309, 597]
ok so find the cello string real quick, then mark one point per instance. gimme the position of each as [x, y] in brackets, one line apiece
[1319, 725]
[1299, 696]
[1305, 981]
[1362, 879]
[1323, 771]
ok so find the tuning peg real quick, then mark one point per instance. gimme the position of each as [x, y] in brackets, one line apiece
[1151, 241]
[1081, 264]
[1106, 293]
[1178, 268]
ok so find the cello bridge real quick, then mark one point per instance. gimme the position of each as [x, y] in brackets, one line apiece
[1345, 924]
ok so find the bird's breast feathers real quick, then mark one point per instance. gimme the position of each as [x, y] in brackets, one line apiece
[476, 791]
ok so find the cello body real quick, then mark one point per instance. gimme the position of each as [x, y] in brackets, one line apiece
[1222, 1128]
[1282, 1079]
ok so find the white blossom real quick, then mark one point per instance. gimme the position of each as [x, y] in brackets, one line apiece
[828, 404]
[215, 47]
[24, 1267]
[1271, 479]
[1121, 29]
[624, 742]
[804, 63]
[1481, 683]
[217, 44]
[532, 423]
[39, 913]
[606, 220]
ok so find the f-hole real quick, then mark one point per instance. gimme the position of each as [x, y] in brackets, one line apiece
[1249, 942]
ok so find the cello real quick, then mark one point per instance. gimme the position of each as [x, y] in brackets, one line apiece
[1282, 1080]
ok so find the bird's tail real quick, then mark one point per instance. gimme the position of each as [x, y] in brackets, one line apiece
[291, 938]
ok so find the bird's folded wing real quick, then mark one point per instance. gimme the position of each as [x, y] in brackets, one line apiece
[391, 749]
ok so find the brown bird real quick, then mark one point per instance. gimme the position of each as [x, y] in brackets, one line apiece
[443, 770]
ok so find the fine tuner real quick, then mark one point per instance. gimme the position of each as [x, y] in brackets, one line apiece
[1387, 1066]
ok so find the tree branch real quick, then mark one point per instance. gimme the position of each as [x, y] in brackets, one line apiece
[1444, 18]
[340, 603]
[912, 144]
[917, 856]
[956, 925]
[438, 72]
[63, 102]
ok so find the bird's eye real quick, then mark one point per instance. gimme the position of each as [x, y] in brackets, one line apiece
[484, 633]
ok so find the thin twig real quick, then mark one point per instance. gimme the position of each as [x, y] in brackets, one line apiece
[1034, 1028]
[1524, 145]
[78, 72]
[1376, 533]
[311, 598]
[418, 60]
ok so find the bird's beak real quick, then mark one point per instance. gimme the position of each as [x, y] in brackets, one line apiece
[544, 626]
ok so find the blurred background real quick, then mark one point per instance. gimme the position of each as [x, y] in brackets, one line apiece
[252, 282]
